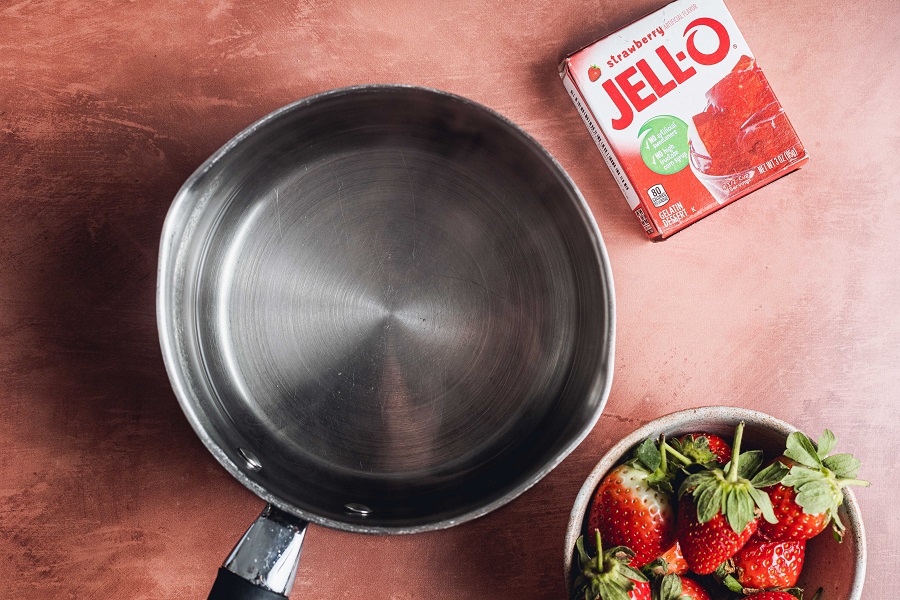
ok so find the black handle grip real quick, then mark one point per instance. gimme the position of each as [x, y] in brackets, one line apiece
[229, 586]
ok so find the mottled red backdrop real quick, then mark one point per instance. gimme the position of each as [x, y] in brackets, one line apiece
[786, 301]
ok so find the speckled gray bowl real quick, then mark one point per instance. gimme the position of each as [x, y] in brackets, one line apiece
[838, 568]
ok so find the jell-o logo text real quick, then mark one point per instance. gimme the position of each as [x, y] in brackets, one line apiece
[632, 92]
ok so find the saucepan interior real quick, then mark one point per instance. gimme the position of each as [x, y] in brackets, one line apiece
[386, 308]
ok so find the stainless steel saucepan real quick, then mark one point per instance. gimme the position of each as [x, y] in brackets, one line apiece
[384, 309]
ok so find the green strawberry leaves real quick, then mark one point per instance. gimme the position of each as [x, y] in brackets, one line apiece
[651, 457]
[655, 568]
[667, 587]
[709, 497]
[608, 576]
[696, 449]
[819, 477]
[815, 490]
[764, 503]
[798, 476]
[731, 582]
[724, 574]
[842, 465]
[771, 475]
[734, 492]
[649, 454]
[826, 444]
[749, 464]
[801, 449]
[739, 508]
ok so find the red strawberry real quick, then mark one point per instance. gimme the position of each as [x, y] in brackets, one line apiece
[594, 73]
[673, 587]
[693, 590]
[707, 545]
[629, 512]
[670, 561]
[675, 560]
[631, 507]
[698, 446]
[792, 524]
[719, 511]
[641, 591]
[771, 596]
[608, 576]
[762, 565]
[808, 497]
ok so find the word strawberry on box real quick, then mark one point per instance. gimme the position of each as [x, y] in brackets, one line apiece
[682, 114]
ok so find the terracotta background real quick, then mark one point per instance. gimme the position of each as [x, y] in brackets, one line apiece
[787, 301]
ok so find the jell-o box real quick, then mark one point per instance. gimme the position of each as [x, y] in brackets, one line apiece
[682, 114]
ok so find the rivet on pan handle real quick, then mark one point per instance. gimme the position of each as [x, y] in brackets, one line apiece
[264, 562]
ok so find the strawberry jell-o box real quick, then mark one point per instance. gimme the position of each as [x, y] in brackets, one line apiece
[682, 113]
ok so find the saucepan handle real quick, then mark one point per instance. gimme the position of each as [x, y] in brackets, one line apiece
[263, 564]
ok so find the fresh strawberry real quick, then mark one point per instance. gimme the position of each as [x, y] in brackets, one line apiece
[641, 591]
[707, 544]
[608, 576]
[594, 73]
[762, 565]
[808, 497]
[675, 560]
[719, 511]
[673, 587]
[792, 524]
[693, 590]
[703, 448]
[670, 561]
[631, 506]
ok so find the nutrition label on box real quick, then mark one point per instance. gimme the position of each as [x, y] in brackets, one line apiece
[658, 195]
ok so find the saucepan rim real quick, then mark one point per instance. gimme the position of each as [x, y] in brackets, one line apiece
[187, 196]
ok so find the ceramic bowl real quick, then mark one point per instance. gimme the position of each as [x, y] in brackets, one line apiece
[838, 568]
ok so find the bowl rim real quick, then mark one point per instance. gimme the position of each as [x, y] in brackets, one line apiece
[679, 418]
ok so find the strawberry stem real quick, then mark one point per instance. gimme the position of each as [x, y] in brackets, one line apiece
[663, 463]
[736, 453]
[599, 551]
[681, 457]
[845, 482]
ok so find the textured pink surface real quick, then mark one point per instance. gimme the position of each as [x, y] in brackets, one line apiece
[786, 301]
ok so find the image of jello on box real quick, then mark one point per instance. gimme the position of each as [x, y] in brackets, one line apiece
[682, 114]
[742, 133]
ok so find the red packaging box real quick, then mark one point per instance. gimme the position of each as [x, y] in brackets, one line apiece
[682, 114]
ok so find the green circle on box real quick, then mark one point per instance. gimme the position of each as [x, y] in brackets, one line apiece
[664, 144]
